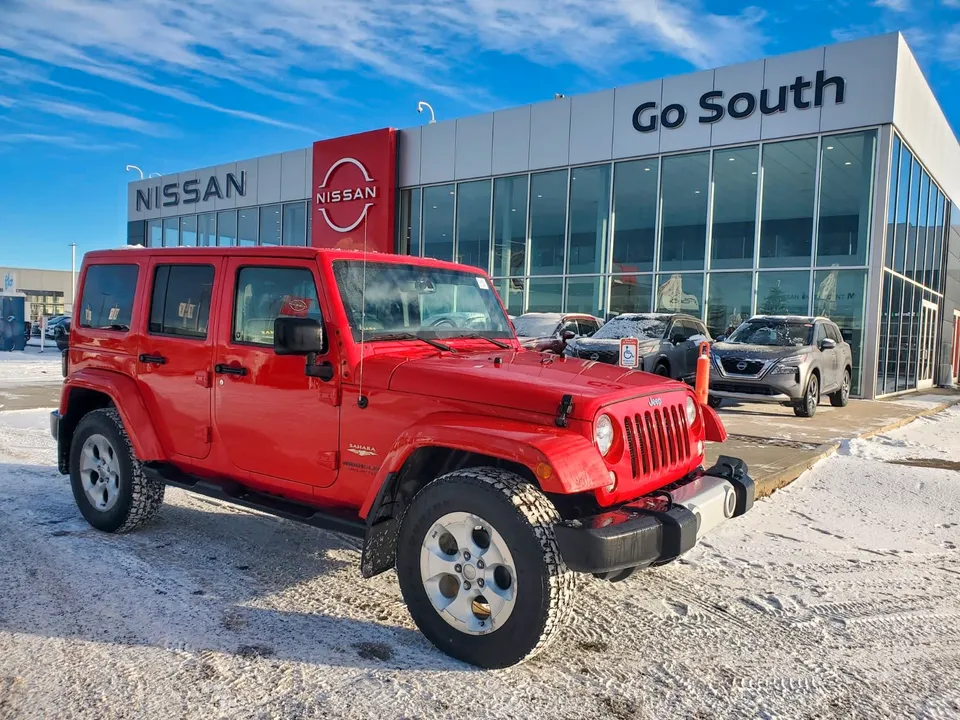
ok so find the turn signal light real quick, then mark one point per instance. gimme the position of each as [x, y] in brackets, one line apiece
[544, 471]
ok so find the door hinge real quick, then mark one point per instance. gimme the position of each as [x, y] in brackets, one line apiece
[203, 434]
[202, 378]
[329, 459]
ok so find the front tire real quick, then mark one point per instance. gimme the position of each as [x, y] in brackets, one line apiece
[479, 567]
[662, 370]
[807, 407]
[108, 483]
[842, 396]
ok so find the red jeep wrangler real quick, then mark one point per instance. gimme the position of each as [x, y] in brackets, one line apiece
[386, 397]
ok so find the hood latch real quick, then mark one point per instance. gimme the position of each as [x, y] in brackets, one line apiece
[566, 407]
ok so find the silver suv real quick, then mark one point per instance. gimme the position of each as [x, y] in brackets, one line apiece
[785, 359]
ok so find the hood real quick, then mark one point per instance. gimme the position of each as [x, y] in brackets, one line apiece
[521, 380]
[757, 352]
[606, 351]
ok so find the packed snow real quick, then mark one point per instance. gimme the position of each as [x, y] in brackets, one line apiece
[836, 597]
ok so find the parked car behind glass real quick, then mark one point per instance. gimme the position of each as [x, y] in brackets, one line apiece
[550, 332]
[668, 343]
[785, 359]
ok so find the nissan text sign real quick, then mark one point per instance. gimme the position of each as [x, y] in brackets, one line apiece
[354, 191]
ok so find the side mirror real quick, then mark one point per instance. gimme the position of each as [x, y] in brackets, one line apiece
[568, 335]
[297, 336]
[828, 344]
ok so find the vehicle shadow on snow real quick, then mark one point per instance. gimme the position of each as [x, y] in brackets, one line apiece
[198, 580]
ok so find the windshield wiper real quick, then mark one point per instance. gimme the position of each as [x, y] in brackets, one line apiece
[414, 336]
[478, 336]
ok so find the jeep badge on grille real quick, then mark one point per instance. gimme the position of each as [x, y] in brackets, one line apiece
[655, 402]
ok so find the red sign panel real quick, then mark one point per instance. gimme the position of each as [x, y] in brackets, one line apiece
[354, 191]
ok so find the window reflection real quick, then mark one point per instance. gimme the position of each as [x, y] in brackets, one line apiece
[473, 224]
[786, 217]
[680, 293]
[438, 222]
[846, 193]
[227, 228]
[171, 232]
[631, 293]
[734, 207]
[188, 230]
[247, 224]
[269, 225]
[892, 200]
[729, 301]
[154, 233]
[545, 295]
[207, 230]
[839, 295]
[548, 216]
[589, 218]
[585, 295]
[783, 293]
[295, 224]
[409, 222]
[509, 225]
[685, 188]
[635, 215]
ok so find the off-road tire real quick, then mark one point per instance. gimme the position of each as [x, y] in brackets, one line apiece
[714, 401]
[662, 369]
[140, 497]
[807, 406]
[841, 397]
[524, 517]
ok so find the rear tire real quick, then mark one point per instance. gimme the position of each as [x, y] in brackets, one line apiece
[807, 407]
[456, 598]
[842, 396]
[108, 483]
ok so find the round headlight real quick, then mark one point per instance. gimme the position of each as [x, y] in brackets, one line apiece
[603, 434]
[691, 411]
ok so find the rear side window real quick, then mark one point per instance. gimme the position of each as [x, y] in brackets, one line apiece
[266, 293]
[833, 332]
[587, 327]
[180, 304]
[107, 301]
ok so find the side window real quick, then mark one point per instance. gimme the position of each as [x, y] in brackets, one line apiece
[587, 327]
[107, 301]
[180, 304]
[833, 332]
[819, 334]
[695, 329]
[266, 293]
[569, 326]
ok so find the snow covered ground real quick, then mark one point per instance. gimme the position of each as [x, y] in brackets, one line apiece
[835, 598]
[30, 367]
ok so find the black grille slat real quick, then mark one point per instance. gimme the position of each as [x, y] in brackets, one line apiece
[668, 432]
[630, 446]
[662, 437]
[652, 442]
[684, 435]
[643, 446]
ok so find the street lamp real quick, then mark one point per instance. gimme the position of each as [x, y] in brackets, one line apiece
[421, 105]
[153, 175]
[134, 167]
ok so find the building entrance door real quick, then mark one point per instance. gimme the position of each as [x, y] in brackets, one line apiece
[926, 351]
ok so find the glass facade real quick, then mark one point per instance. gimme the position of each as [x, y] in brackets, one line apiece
[266, 225]
[911, 296]
[778, 227]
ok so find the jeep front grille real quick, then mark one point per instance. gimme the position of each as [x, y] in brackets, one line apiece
[657, 440]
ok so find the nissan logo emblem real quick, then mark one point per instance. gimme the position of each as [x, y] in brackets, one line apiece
[741, 365]
[594, 356]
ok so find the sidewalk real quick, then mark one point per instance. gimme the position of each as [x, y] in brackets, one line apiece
[779, 446]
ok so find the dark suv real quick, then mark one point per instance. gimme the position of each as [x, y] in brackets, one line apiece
[785, 359]
[668, 343]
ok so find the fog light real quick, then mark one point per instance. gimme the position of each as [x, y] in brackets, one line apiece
[613, 482]
[699, 447]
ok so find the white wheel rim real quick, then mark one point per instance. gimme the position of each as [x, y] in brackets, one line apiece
[100, 472]
[473, 588]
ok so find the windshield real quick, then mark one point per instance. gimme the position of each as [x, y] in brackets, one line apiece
[651, 327]
[773, 332]
[533, 326]
[412, 299]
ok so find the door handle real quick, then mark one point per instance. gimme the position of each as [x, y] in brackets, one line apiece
[230, 370]
[155, 359]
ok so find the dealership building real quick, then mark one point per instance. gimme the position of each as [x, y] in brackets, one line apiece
[819, 182]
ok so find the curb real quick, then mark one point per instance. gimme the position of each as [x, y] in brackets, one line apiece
[768, 485]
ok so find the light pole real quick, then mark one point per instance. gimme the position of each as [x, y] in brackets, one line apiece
[423, 104]
[134, 167]
[154, 175]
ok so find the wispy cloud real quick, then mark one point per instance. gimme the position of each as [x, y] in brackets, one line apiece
[894, 5]
[96, 116]
[65, 141]
[291, 49]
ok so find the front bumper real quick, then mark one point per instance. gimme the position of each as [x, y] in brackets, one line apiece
[781, 387]
[658, 528]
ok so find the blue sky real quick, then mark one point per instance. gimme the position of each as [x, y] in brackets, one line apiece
[88, 86]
